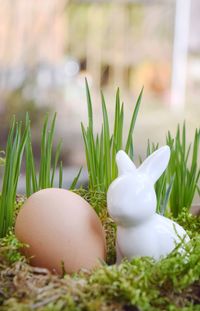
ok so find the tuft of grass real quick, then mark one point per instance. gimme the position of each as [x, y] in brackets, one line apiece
[14, 152]
[178, 185]
[45, 177]
[101, 149]
[76, 178]
[19, 139]
[184, 166]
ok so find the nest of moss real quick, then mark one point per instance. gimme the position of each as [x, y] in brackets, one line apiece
[170, 284]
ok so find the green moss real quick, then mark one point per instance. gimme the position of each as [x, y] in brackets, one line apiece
[149, 285]
[190, 222]
[9, 249]
[171, 284]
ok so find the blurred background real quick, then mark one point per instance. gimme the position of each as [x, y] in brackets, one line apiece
[48, 47]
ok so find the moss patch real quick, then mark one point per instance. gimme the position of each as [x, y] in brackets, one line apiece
[170, 284]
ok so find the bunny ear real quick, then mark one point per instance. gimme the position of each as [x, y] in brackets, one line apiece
[124, 163]
[156, 163]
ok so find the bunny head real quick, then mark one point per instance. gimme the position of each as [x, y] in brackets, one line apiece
[131, 198]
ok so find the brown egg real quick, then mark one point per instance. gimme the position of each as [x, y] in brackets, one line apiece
[60, 227]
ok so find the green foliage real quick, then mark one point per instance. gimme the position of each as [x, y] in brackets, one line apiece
[101, 150]
[190, 222]
[45, 177]
[19, 139]
[76, 178]
[176, 187]
[149, 285]
[9, 249]
[179, 183]
[14, 151]
[184, 167]
[142, 284]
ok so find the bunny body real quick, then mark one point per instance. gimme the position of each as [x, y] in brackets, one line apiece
[155, 238]
[131, 201]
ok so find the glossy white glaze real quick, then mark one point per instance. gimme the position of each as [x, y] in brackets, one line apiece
[131, 201]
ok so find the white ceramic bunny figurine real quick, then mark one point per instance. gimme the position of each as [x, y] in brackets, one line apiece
[131, 201]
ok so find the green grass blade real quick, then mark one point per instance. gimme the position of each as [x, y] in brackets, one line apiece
[57, 155]
[42, 169]
[106, 134]
[14, 152]
[89, 105]
[133, 121]
[60, 175]
[101, 149]
[74, 182]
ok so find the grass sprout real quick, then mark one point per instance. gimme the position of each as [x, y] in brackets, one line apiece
[178, 185]
[176, 188]
[48, 165]
[101, 149]
[13, 158]
[45, 177]
[184, 166]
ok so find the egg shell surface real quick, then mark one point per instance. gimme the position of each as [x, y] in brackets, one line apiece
[60, 227]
